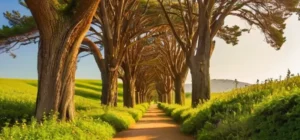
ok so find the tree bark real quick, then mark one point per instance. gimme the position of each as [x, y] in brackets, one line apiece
[60, 39]
[129, 87]
[159, 98]
[199, 65]
[179, 90]
[200, 82]
[116, 96]
[169, 98]
[132, 93]
[141, 97]
[137, 97]
[109, 98]
[164, 98]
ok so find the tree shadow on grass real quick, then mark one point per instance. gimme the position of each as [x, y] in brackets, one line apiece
[120, 85]
[95, 83]
[32, 83]
[87, 94]
[80, 85]
[12, 111]
[91, 95]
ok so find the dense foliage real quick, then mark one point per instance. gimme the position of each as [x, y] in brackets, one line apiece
[262, 111]
[17, 101]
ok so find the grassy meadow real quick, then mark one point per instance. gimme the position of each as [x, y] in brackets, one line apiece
[269, 111]
[17, 102]
[264, 111]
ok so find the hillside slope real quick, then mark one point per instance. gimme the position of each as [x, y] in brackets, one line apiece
[219, 85]
[268, 111]
[92, 121]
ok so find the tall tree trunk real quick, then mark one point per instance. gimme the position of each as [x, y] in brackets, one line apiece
[129, 94]
[132, 93]
[159, 97]
[112, 87]
[116, 96]
[60, 39]
[105, 85]
[200, 82]
[104, 94]
[141, 97]
[169, 98]
[199, 65]
[137, 98]
[109, 88]
[179, 90]
[109, 98]
[129, 90]
[164, 98]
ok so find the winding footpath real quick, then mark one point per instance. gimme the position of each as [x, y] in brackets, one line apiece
[154, 125]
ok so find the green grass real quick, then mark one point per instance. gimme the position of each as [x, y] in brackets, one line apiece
[93, 121]
[265, 111]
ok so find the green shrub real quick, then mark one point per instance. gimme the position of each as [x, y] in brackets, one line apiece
[279, 118]
[219, 110]
[188, 126]
[187, 113]
[265, 111]
[135, 113]
[53, 130]
[14, 110]
[119, 120]
[93, 121]
[170, 108]
[176, 113]
[143, 107]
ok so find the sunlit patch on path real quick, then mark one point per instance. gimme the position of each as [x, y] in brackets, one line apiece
[154, 125]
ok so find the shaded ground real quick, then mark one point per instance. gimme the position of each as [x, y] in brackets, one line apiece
[154, 125]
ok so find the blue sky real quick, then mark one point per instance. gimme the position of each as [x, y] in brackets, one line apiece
[251, 59]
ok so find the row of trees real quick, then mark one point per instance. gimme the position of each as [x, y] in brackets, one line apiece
[149, 44]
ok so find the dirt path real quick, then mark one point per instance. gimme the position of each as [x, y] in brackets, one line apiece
[154, 125]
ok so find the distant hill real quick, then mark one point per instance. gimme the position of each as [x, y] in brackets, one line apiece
[219, 85]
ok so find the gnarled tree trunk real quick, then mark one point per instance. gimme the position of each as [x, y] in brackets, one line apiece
[138, 98]
[199, 66]
[129, 86]
[200, 82]
[129, 93]
[179, 82]
[169, 97]
[111, 82]
[179, 91]
[60, 38]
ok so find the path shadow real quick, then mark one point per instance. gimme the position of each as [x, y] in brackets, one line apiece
[161, 133]
[154, 125]
[166, 121]
[154, 115]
